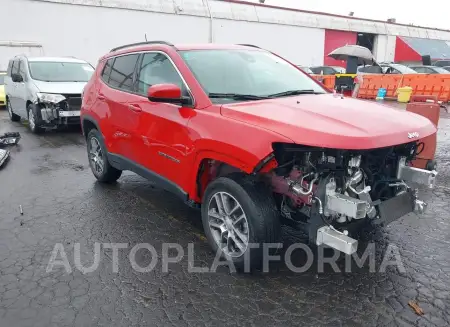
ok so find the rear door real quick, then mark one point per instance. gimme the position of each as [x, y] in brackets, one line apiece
[118, 76]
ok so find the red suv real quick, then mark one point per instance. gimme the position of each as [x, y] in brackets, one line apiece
[254, 141]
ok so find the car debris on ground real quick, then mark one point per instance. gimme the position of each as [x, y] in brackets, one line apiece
[5, 140]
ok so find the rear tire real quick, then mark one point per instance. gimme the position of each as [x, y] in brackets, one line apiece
[11, 113]
[256, 222]
[98, 159]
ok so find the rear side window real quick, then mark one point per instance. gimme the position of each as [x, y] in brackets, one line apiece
[122, 72]
[107, 70]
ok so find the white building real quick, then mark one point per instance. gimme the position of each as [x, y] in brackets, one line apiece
[89, 28]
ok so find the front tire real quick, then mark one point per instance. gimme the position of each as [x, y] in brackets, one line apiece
[11, 113]
[239, 214]
[34, 120]
[98, 160]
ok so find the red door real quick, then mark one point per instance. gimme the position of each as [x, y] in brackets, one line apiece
[163, 139]
[115, 94]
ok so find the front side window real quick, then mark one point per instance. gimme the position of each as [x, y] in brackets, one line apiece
[250, 72]
[122, 72]
[156, 68]
[49, 71]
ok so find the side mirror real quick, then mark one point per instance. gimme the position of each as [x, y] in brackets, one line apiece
[168, 93]
[16, 78]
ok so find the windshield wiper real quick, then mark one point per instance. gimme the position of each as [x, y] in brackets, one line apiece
[293, 92]
[236, 96]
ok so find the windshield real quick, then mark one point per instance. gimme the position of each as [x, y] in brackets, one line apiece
[2, 79]
[306, 69]
[440, 70]
[60, 71]
[403, 69]
[249, 72]
[338, 69]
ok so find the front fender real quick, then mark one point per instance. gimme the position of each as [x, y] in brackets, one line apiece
[231, 155]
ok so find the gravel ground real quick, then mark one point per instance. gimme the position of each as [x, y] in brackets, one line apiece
[49, 176]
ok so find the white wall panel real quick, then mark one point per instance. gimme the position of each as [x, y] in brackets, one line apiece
[302, 46]
[89, 32]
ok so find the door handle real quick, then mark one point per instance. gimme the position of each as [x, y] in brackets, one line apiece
[101, 96]
[135, 108]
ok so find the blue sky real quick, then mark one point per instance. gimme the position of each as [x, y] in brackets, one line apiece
[437, 16]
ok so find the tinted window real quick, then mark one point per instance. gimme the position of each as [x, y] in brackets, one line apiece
[122, 72]
[419, 69]
[156, 68]
[107, 70]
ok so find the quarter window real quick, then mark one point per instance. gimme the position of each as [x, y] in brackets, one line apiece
[122, 72]
[156, 68]
[107, 70]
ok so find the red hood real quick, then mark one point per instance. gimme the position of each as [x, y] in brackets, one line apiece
[332, 122]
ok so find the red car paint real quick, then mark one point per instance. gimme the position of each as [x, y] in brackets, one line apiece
[240, 135]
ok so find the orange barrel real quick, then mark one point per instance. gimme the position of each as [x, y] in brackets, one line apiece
[426, 106]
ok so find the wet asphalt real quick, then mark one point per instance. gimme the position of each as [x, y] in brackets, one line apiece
[49, 176]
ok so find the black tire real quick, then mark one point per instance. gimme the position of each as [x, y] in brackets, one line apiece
[11, 113]
[108, 173]
[259, 207]
[35, 115]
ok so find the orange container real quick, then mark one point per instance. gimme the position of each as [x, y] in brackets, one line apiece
[430, 110]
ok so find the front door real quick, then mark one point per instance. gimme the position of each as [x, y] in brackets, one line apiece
[164, 138]
[21, 90]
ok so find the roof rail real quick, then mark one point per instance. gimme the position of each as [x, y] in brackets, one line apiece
[141, 43]
[250, 45]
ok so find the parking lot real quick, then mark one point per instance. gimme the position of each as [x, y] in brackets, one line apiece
[49, 176]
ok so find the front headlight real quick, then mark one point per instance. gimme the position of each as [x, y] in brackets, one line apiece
[50, 98]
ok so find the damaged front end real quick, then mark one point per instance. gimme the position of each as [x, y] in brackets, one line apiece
[57, 109]
[330, 191]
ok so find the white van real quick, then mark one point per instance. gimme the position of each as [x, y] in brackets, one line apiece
[45, 90]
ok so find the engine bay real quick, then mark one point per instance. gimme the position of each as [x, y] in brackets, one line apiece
[344, 186]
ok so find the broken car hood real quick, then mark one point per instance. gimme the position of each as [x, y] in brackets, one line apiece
[329, 121]
[60, 87]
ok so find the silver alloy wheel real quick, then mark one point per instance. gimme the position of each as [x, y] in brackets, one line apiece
[96, 156]
[228, 224]
[31, 120]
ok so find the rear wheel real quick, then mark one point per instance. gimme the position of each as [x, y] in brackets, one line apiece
[12, 115]
[239, 216]
[98, 160]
